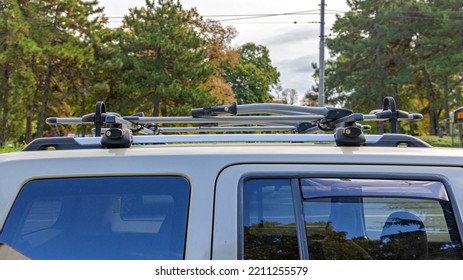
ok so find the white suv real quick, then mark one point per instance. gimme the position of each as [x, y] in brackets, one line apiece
[232, 196]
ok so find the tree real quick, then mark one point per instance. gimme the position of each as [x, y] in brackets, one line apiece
[438, 55]
[335, 93]
[65, 36]
[310, 99]
[164, 56]
[252, 78]
[17, 80]
[368, 48]
[108, 83]
[399, 48]
[46, 58]
[57, 59]
[220, 55]
[285, 96]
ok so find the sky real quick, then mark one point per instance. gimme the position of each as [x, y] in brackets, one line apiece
[292, 46]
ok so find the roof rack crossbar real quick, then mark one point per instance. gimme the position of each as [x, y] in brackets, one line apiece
[233, 117]
[227, 129]
[69, 143]
[228, 119]
[281, 128]
[193, 120]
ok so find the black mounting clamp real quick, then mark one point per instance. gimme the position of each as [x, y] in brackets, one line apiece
[98, 118]
[117, 136]
[391, 112]
[334, 118]
[231, 109]
[351, 136]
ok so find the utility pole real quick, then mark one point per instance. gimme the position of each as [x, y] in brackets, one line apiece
[321, 64]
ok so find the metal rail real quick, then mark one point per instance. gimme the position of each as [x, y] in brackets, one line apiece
[243, 118]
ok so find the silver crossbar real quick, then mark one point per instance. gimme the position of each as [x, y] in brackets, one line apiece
[297, 123]
[193, 120]
[165, 139]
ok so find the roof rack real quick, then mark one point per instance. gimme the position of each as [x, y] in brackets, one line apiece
[304, 124]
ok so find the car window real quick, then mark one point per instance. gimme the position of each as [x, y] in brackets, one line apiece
[100, 218]
[268, 218]
[379, 219]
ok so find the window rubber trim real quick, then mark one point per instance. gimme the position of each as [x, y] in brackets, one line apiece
[300, 219]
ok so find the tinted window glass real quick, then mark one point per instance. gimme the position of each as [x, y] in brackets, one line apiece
[269, 222]
[100, 218]
[363, 225]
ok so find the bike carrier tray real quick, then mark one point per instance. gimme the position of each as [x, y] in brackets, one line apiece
[294, 124]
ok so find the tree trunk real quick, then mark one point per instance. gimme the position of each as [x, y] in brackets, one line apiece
[83, 92]
[47, 82]
[395, 86]
[164, 110]
[29, 123]
[31, 107]
[4, 104]
[156, 94]
[446, 105]
[46, 93]
[430, 95]
[156, 101]
[379, 102]
[378, 84]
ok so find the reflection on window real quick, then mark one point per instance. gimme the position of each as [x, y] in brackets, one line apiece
[269, 223]
[359, 227]
[100, 218]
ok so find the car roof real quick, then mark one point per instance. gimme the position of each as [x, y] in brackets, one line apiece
[264, 153]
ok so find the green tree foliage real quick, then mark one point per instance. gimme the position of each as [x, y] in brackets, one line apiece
[254, 76]
[108, 83]
[165, 58]
[117, 79]
[66, 33]
[438, 58]
[45, 54]
[310, 98]
[398, 48]
[17, 79]
[57, 58]
[368, 47]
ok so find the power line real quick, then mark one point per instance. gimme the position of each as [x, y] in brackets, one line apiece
[279, 22]
[246, 16]
[256, 17]
[263, 15]
[238, 18]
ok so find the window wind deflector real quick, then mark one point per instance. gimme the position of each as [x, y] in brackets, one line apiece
[329, 187]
